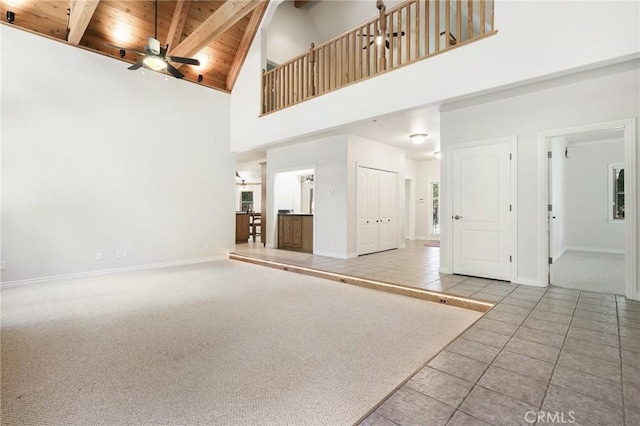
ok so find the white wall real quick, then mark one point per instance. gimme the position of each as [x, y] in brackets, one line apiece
[368, 153]
[428, 172]
[97, 158]
[536, 40]
[328, 157]
[602, 95]
[558, 197]
[588, 204]
[290, 33]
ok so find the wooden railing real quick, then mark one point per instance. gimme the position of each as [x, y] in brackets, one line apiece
[411, 31]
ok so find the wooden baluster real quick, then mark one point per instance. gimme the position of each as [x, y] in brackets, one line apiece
[427, 29]
[281, 88]
[408, 11]
[482, 17]
[352, 57]
[437, 25]
[493, 9]
[312, 62]
[447, 24]
[469, 19]
[383, 30]
[264, 87]
[417, 24]
[368, 50]
[400, 29]
[459, 21]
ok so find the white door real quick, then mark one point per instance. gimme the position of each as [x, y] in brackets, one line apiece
[481, 210]
[368, 189]
[388, 210]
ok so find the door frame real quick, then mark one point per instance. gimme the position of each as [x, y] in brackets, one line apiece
[630, 245]
[430, 209]
[399, 220]
[271, 208]
[513, 229]
[410, 198]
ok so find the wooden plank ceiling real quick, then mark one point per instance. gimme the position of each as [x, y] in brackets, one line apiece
[219, 40]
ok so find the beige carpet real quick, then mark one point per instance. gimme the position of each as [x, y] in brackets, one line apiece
[599, 272]
[225, 343]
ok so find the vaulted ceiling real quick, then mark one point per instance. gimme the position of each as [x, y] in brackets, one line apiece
[218, 33]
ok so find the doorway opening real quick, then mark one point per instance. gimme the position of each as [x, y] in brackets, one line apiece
[293, 210]
[590, 220]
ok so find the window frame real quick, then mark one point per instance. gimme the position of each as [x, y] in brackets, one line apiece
[612, 192]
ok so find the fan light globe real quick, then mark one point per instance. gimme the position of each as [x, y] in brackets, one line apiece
[155, 63]
[418, 138]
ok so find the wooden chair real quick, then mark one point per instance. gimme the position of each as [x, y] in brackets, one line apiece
[256, 225]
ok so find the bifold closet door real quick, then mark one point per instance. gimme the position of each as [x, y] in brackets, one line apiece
[377, 211]
[388, 225]
[368, 190]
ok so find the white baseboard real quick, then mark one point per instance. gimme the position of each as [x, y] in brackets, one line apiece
[535, 282]
[445, 270]
[597, 250]
[116, 270]
[270, 245]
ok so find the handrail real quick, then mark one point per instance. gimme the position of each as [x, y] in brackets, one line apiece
[408, 32]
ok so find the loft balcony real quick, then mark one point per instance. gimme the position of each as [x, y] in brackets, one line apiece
[409, 32]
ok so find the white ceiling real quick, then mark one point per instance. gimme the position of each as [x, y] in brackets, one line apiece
[395, 130]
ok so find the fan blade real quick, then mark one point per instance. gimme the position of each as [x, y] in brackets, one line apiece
[174, 71]
[188, 61]
[113, 46]
[369, 45]
[386, 43]
[136, 66]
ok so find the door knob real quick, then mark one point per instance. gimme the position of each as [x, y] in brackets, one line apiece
[456, 217]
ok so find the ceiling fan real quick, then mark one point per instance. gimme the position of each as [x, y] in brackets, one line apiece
[379, 37]
[155, 56]
[381, 33]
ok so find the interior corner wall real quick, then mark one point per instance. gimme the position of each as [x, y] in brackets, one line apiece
[587, 195]
[99, 159]
[428, 172]
[367, 153]
[329, 158]
[607, 96]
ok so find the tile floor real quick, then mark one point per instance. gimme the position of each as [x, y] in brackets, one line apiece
[540, 356]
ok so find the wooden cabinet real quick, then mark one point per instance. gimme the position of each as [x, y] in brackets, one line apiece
[295, 232]
[242, 227]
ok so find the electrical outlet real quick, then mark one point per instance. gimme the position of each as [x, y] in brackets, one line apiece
[124, 253]
[3, 265]
[118, 254]
[98, 256]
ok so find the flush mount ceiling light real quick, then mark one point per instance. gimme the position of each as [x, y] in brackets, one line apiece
[418, 138]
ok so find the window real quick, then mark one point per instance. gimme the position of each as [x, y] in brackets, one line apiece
[435, 208]
[616, 192]
[246, 201]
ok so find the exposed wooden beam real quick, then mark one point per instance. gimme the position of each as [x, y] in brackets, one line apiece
[177, 22]
[220, 21]
[245, 44]
[299, 3]
[81, 13]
